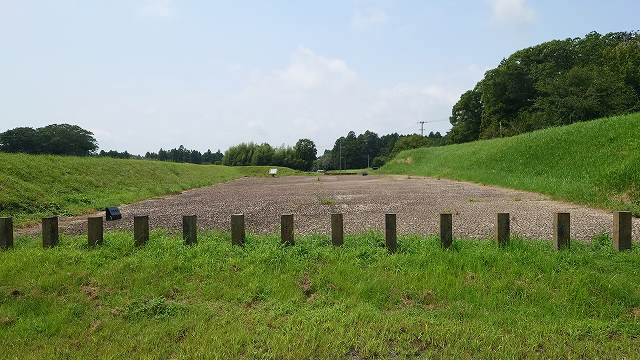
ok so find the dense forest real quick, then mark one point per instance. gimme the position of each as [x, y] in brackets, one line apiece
[555, 83]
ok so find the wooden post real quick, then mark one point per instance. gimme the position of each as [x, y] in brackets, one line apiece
[562, 230]
[503, 229]
[391, 236]
[622, 230]
[189, 229]
[286, 229]
[446, 230]
[140, 230]
[238, 234]
[6, 233]
[95, 231]
[337, 230]
[50, 232]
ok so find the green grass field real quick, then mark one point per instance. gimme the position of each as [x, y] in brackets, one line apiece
[312, 300]
[596, 163]
[34, 186]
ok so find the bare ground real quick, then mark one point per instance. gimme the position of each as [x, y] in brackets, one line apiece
[363, 200]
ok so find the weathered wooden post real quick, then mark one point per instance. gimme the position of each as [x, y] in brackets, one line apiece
[140, 230]
[6, 233]
[391, 236]
[286, 229]
[562, 230]
[337, 230]
[95, 231]
[50, 232]
[237, 229]
[446, 230]
[189, 229]
[503, 229]
[622, 230]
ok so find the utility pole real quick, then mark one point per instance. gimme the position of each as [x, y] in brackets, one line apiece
[422, 127]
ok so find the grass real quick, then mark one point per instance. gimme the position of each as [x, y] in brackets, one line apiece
[34, 186]
[311, 300]
[327, 201]
[595, 163]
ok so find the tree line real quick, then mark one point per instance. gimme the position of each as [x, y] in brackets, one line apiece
[349, 152]
[371, 150]
[300, 157]
[179, 154]
[555, 83]
[182, 154]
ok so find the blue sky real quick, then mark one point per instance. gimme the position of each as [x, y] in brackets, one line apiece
[145, 74]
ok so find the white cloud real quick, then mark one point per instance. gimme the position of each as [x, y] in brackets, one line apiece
[309, 70]
[156, 8]
[313, 96]
[322, 98]
[364, 19]
[516, 12]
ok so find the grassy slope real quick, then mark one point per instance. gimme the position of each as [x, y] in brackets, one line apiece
[595, 163]
[34, 186]
[315, 301]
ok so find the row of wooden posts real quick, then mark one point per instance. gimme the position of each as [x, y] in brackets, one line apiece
[622, 224]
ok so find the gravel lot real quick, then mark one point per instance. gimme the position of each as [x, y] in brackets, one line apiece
[363, 200]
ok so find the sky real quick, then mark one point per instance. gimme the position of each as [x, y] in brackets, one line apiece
[146, 74]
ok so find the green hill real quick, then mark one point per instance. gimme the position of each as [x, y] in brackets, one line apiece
[596, 163]
[39, 185]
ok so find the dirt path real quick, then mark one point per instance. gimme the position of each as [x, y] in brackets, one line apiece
[363, 200]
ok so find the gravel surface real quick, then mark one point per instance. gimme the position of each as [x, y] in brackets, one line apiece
[363, 200]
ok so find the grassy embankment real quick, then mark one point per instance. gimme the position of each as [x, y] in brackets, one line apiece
[311, 300]
[33, 186]
[595, 163]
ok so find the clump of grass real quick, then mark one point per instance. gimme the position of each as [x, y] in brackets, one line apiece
[328, 201]
[313, 300]
[158, 308]
[596, 163]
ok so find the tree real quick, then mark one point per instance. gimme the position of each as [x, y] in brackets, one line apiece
[21, 139]
[410, 142]
[466, 116]
[324, 162]
[306, 152]
[217, 157]
[163, 155]
[59, 139]
[554, 83]
[387, 142]
[262, 155]
[371, 144]
[239, 155]
[65, 139]
[582, 93]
